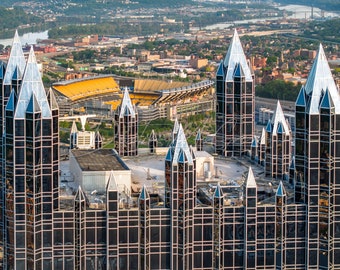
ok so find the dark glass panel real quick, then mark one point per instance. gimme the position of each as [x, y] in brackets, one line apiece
[47, 238]
[37, 128]
[29, 128]
[19, 128]
[47, 128]
[20, 184]
[122, 235]
[19, 155]
[314, 122]
[207, 259]
[251, 192]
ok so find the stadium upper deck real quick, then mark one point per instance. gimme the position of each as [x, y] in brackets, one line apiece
[144, 92]
[87, 87]
[157, 85]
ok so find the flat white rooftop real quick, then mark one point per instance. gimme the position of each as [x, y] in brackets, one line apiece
[149, 171]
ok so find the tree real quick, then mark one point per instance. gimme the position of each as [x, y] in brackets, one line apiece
[278, 89]
[271, 61]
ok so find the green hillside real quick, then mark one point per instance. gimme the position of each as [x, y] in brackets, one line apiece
[323, 31]
[11, 18]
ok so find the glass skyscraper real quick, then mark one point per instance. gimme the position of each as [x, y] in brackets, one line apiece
[126, 126]
[10, 78]
[317, 164]
[30, 172]
[278, 146]
[235, 107]
[192, 226]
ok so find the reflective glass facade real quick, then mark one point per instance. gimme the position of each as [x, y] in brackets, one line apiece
[10, 78]
[126, 126]
[191, 227]
[31, 173]
[278, 146]
[235, 106]
[317, 164]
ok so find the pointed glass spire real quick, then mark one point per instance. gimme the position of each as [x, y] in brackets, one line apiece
[279, 120]
[218, 191]
[263, 137]
[234, 56]
[181, 156]
[127, 111]
[16, 74]
[280, 128]
[320, 78]
[220, 70]
[2, 69]
[80, 195]
[111, 183]
[33, 105]
[168, 156]
[11, 101]
[301, 99]
[326, 102]
[52, 99]
[250, 182]
[126, 107]
[269, 126]
[181, 145]
[280, 192]
[32, 83]
[16, 59]
[144, 194]
[175, 129]
[238, 71]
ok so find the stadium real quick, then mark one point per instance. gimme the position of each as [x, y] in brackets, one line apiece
[154, 99]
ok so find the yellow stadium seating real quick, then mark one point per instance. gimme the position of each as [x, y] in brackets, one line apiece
[156, 85]
[88, 88]
[146, 91]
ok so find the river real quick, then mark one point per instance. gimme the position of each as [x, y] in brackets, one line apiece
[299, 12]
[28, 38]
[305, 12]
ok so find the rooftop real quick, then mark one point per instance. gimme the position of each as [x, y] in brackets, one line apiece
[148, 171]
[99, 160]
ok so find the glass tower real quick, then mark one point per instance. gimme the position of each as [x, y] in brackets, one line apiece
[31, 172]
[278, 146]
[317, 164]
[126, 125]
[10, 78]
[235, 107]
[180, 193]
